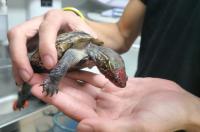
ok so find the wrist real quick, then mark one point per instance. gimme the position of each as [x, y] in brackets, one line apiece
[194, 116]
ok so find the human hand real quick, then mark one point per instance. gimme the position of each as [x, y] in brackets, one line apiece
[145, 105]
[46, 27]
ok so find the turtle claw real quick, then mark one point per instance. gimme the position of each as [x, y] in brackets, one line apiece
[49, 87]
[18, 104]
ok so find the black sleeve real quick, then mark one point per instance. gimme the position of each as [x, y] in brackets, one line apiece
[144, 1]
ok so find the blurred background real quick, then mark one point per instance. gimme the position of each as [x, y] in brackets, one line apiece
[40, 117]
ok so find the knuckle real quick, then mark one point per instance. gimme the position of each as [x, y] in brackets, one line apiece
[15, 62]
[70, 14]
[54, 13]
[52, 17]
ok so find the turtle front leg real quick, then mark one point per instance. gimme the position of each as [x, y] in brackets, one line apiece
[23, 96]
[69, 59]
[50, 84]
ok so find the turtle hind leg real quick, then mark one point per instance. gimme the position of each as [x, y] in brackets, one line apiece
[70, 58]
[23, 96]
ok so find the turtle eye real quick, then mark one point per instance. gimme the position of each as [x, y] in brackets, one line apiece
[116, 65]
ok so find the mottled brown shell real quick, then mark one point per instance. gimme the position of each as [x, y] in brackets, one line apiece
[64, 41]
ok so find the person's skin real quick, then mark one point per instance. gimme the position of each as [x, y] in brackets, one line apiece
[145, 105]
[89, 104]
[118, 36]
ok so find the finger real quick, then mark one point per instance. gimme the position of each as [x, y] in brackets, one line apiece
[83, 94]
[47, 33]
[87, 89]
[37, 79]
[18, 37]
[76, 24]
[18, 50]
[17, 78]
[66, 103]
[96, 80]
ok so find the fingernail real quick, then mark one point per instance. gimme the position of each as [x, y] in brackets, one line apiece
[18, 84]
[48, 61]
[85, 128]
[25, 75]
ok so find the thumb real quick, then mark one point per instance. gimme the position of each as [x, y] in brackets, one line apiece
[105, 125]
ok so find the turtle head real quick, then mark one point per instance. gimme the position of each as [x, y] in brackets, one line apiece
[118, 77]
[114, 70]
[109, 63]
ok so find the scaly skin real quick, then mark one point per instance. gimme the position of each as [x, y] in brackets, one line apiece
[77, 50]
[109, 64]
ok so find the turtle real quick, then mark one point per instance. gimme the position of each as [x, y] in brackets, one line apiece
[77, 50]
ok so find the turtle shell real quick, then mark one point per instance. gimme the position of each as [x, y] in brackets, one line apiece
[64, 41]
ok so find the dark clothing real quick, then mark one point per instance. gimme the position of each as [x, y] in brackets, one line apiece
[170, 44]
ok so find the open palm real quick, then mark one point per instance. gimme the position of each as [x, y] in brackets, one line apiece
[146, 104]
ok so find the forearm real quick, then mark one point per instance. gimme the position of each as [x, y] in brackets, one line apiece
[110, 34]
[122, 34]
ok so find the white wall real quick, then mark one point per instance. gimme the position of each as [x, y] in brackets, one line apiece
[16, 12]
